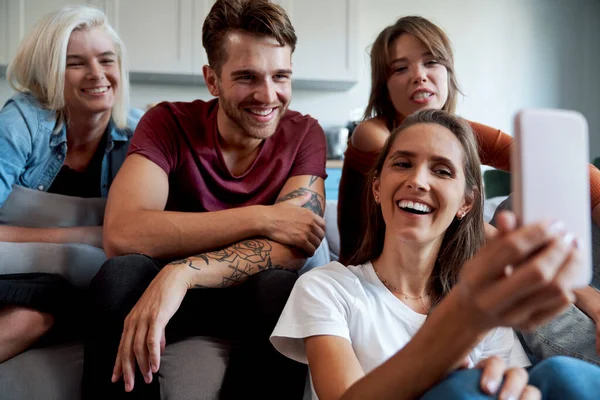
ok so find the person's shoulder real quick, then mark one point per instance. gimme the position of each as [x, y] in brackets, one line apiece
[133, 118]
[183, 109]
[28, 106]
[370, 135]
[298, 121]
[333, 275]
[481, 129]
[24, 113]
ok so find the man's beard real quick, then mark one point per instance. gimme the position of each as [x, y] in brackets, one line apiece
[244, 121]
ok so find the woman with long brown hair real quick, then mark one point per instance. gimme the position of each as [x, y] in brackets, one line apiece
[412, 68]
[423, 297]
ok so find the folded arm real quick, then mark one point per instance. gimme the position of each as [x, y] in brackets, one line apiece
[234, 264]
[136, 221]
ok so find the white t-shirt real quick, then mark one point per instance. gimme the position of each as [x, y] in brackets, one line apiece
[351, 302]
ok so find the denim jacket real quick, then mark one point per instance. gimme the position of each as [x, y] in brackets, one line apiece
[31, 154]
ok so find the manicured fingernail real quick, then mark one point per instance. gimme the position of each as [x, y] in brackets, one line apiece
[556, 227]
[507, 396]
[491, 385]
[568, 239]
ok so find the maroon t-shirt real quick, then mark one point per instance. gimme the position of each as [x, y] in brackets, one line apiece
[181, 138]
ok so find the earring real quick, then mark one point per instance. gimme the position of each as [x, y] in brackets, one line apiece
[461, 215]
[376, 199]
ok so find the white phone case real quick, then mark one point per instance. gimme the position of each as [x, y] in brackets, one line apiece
[550, 177]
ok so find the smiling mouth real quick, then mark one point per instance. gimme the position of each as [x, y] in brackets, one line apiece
[422, 96]
[414, 207]
[99, 90]
[261, 112]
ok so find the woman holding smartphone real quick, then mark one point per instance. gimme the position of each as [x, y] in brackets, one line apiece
[423, 296]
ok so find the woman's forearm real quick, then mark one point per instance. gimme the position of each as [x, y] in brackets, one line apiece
[91, 235]
[439, 347]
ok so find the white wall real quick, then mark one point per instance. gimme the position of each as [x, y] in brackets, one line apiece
[509, 54]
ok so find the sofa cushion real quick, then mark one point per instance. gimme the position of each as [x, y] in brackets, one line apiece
[31, 208]
[51, 373]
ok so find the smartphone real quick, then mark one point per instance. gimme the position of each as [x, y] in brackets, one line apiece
[550, 175]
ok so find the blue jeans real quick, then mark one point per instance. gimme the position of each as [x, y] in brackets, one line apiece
[558, 378]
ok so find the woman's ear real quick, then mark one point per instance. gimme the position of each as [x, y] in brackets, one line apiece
[468, 203]
[376, 185]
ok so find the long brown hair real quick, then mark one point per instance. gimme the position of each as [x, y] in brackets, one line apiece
[258, 17]
[463, 237]
[380, 104]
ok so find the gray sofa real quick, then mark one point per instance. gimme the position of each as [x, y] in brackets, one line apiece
[55, 372]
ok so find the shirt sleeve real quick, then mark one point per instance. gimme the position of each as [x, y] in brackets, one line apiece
[494, 146]
[155, 138]
[312, 153]
[16, 141]
[319, 304]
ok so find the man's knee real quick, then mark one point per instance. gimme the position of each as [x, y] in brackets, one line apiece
[272, 284]
[120, 278]
[270, 290]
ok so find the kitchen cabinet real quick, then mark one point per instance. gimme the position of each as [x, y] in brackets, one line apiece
[201, 9]
[157, 34]
[327, 49]
[164, 38]
[326, 56]
[4, 32]
[17, 18]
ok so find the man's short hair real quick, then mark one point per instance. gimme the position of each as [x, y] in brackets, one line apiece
[257, 17]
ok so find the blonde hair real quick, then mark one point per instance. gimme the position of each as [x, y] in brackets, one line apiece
[39, 65]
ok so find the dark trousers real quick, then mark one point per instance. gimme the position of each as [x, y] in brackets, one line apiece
[245, 314]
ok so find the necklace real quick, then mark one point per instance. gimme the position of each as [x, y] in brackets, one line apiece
[392, 287]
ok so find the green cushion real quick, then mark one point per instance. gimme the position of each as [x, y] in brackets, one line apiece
[496, 183]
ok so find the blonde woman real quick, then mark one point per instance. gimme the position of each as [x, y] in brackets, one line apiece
[66, 131]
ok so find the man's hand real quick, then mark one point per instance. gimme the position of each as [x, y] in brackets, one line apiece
[296, 222]
[143, 337]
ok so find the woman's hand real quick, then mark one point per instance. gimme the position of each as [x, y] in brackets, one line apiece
[513, 380]
[523, 277]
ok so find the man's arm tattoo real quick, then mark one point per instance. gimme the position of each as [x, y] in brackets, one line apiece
[313, 179]
[315, 203]
[243, 259]
[187, 262]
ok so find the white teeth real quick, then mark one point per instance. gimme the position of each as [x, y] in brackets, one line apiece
[414, 205]
[422, 95]
[96, 90]
[262, 113]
